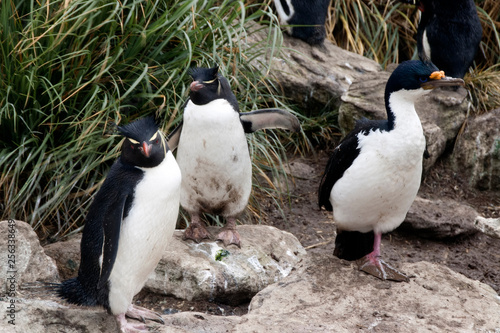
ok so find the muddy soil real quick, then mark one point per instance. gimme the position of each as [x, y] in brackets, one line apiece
[477, 256]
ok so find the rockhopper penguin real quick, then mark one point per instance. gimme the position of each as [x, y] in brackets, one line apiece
[374, 174]
[448, 34]
[128, 226]
[213, 154]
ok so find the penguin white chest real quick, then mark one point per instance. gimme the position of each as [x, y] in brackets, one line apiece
[377, 190]
[214, 159]
[145, 232]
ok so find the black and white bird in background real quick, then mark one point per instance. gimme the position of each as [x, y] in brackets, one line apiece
[373, 175]
[448, 34]
[213, 155]
[305, 19]
[128, 226]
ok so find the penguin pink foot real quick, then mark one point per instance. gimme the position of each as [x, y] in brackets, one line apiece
[196, 230]
[143, 314]
[127, 327]
[228, 235]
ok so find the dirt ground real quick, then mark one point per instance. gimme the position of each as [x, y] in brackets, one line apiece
[477, 256]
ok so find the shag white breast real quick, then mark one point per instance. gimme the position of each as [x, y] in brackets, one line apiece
[377, 190]
[214, 160]
[145, 232]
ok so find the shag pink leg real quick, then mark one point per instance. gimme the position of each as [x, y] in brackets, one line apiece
[373, 265]
[196, 230]
[228, 235]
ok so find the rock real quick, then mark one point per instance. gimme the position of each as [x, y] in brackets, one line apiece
[66, 255]
[24, 260]
[191, 271]
[436, 144]
[489, 226]
[324, 294]
[333, 297]
[364, 99]
[51, 315]
[313, 77]
[439, 219]
[477, 152]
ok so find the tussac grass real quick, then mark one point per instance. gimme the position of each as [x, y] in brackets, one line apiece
[71, 70]
[385, 31]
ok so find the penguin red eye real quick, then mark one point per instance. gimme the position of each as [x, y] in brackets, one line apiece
[156, 141]
[132, 146]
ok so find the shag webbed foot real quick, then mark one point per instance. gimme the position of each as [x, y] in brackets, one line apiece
[378, 268]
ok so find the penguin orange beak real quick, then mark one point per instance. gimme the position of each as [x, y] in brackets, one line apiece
[196, 85]
[146, 149]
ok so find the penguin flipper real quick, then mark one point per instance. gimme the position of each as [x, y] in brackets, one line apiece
[173, 137]
[269, 118]
[111, 227]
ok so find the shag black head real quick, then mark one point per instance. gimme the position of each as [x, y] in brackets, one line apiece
[413, 77]
[416, 74]
[208, 85]
[144, 145]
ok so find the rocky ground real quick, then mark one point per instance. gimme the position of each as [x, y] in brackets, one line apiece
[476, 256]
[320, 294]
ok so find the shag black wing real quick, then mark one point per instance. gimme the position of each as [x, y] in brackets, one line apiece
[342, 158]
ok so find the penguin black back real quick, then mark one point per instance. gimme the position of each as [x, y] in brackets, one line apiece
[452, 31]
[307, 18]
[209, 85]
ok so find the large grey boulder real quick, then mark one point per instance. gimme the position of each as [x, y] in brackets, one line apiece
[335, 297]
[67, 256]
[193, 271]
[438, 219]
[313, 77]
[23, 259]
[476, 155]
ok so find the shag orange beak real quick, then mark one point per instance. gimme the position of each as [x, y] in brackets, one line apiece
[439, 79]
[437, 75]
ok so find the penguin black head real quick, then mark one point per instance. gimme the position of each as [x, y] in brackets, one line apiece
[209, 85]
[144, 145]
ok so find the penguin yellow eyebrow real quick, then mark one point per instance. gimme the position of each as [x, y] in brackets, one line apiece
[153, 137]
[437, 75]
[133, 141]
[210, 81]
